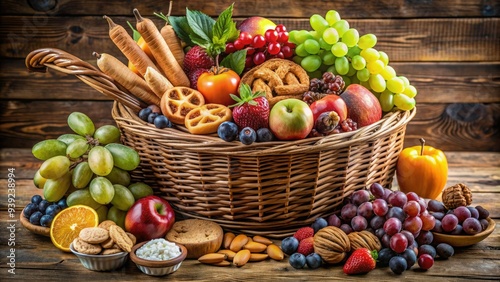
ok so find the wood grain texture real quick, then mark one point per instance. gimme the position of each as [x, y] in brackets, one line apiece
[279, 8]
[36, 257]
[440, 39]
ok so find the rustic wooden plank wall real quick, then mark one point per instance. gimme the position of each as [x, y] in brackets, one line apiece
[450, 50]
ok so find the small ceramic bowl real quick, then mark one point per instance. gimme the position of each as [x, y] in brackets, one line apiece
[101, 262]
[158, 267]
[464, 240]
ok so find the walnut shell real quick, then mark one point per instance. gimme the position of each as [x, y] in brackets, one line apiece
[456, 196]
[332, 244]
[364, 239]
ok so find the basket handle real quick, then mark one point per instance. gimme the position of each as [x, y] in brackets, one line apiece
[41, 59]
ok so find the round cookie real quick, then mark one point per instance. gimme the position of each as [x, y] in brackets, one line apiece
[120, 237]
[94, 235]
[85, 248]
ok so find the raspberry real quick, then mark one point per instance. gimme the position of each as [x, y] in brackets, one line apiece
[306, 246]
[303, 233]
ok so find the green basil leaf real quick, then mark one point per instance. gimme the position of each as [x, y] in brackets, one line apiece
[225, 28]
[181, 28]
[235, 61]
[201, 24]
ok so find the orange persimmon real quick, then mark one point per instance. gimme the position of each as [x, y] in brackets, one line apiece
[423, 170]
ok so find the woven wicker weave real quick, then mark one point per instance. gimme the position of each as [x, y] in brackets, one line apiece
[270, 188]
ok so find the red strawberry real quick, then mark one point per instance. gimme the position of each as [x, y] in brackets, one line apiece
[251, 109]
[193, 77]
[197, 58]
[306, 246]
[360, 261]
[304, 232]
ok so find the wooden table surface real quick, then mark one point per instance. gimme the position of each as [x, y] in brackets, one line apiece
[37, 259]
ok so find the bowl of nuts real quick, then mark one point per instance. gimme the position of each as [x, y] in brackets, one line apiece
[158, 257]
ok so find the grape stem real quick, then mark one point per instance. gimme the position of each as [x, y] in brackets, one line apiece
[422, 143]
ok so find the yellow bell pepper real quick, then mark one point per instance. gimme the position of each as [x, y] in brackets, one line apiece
[423, 170]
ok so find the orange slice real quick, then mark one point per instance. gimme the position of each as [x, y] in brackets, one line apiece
[67, 224]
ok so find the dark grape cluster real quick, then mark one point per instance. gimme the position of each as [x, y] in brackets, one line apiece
[329, 84]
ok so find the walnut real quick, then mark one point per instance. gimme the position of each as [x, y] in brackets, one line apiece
[457, 195]
[364, 239]
[332, 244]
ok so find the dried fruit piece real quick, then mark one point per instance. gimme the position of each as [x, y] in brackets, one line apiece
[238, 242]
[364, 239]
[275, 252]
[241, 258]
[212, 258]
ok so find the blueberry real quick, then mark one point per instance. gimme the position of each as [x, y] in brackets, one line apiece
[264, 135]
[144, 114]
[53, 209]
[397, 264]
[36, 199]
[384, 256]
[427, 249]
[319, 223]
[152, 116]
[62, 203]
[35, 218]
[314, 261]
[248, 136]
[410, 257]
[46, 220]
[227, 131]
[289, 245]
[30, 209]
[444, 250]
[43, 205]
[162, 121]
[297, 260]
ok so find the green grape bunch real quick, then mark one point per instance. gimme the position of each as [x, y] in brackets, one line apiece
[333, 46]
[90, 166]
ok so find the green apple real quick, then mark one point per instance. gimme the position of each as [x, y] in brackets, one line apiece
[291, 119]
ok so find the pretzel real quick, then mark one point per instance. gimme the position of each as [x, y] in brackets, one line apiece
[176, 102]
[206, 119]
[279, 79]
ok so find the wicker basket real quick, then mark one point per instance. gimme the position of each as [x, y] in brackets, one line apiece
[270, 188]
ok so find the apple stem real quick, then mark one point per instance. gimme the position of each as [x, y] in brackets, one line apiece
[422, 143]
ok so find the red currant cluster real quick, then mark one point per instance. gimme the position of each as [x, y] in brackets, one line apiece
[273, 44]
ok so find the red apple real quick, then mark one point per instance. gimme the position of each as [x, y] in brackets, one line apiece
[329, 103]
[149, 218]
[256, 25]
[362, 106]
[291, 119]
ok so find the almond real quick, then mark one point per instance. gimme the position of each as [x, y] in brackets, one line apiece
[258, 257]
[238, 242]
[212, 258]
[255, 247]
[241, 258]
[222, 263]
[230, 254]
[261, 239]
[228, 238]
[275, 252]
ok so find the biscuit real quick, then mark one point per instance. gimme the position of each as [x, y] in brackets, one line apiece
[108, 244]
[132, 237]
[178, 101]
[94, 235]
[106, 224]
[120, 237]
[111, 251]
[85, 248]
[206, 119]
